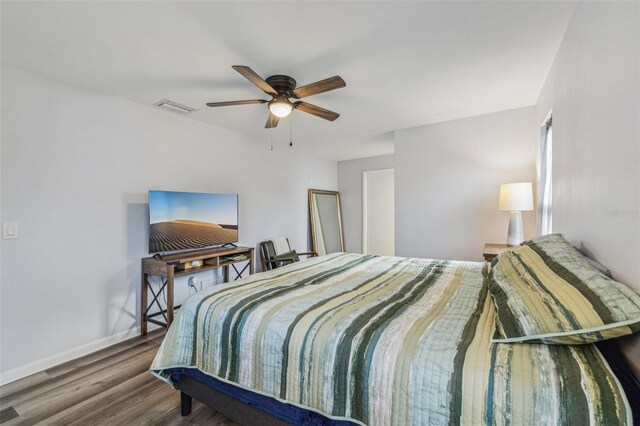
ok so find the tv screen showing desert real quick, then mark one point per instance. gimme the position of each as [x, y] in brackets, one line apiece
[186, 220]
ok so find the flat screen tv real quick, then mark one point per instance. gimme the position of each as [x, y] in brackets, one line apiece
[190, 220]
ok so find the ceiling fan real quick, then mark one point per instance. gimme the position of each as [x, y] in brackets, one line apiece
[282, 88]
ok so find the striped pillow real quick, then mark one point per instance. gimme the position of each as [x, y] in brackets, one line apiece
[599, 266]
[547, 292]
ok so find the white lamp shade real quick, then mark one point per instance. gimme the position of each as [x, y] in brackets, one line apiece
[280, 109]
[516, 197]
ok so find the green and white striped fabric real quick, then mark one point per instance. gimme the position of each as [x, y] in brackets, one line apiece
[386, 341]
[547, 292]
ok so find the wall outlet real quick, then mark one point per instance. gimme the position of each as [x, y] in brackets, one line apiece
[10, 231]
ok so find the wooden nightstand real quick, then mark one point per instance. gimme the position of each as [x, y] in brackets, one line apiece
[492, 250]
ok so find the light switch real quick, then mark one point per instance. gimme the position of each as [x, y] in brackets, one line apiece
[10, 231]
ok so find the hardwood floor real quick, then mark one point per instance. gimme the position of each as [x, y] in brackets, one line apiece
[108, 387]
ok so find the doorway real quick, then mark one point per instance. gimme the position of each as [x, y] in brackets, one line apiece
[378, 212]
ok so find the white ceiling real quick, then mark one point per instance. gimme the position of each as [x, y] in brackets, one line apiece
[405, 63]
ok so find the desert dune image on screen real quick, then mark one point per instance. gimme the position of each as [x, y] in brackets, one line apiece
[184, 220]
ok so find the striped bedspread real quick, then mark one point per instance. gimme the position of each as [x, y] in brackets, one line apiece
[386, 341]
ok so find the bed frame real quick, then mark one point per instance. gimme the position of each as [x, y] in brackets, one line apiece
[223, 399]
[224, 404]
[241, 405]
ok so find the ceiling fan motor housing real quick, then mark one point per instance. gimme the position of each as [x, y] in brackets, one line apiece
[282, 83]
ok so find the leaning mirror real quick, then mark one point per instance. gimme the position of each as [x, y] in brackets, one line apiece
[326, 222]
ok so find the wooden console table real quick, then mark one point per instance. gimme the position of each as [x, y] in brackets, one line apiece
[170, 266]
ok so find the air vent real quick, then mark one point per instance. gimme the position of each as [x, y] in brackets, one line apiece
[174, 106]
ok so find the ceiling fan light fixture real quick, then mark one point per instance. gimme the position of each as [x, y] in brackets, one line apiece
[280, 107]
[281, 88]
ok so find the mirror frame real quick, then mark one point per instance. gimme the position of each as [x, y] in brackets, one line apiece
[311, 193]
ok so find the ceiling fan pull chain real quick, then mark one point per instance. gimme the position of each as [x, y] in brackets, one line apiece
[291, 130]
[271, 138]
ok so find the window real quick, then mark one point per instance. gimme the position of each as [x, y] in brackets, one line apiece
[544, 219]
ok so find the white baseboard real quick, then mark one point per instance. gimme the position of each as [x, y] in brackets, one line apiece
[51, 361]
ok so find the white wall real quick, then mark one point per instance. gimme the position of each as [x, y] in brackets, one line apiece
[448, 177]
[594, 91]
[76, 168]
[350, 187]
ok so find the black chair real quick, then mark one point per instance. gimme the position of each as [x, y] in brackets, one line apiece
[277, 252]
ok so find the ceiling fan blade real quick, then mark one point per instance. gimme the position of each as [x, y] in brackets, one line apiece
[250, 75]
[272, 121]
[232, 103]
[316, 110]
[331, 83]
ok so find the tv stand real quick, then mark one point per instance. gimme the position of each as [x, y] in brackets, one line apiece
[169, 266]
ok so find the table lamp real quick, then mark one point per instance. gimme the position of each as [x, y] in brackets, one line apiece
[516, 198]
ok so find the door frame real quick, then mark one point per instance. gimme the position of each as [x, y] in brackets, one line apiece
[364, 202]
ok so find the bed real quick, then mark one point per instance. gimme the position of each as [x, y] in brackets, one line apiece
[372, 340]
